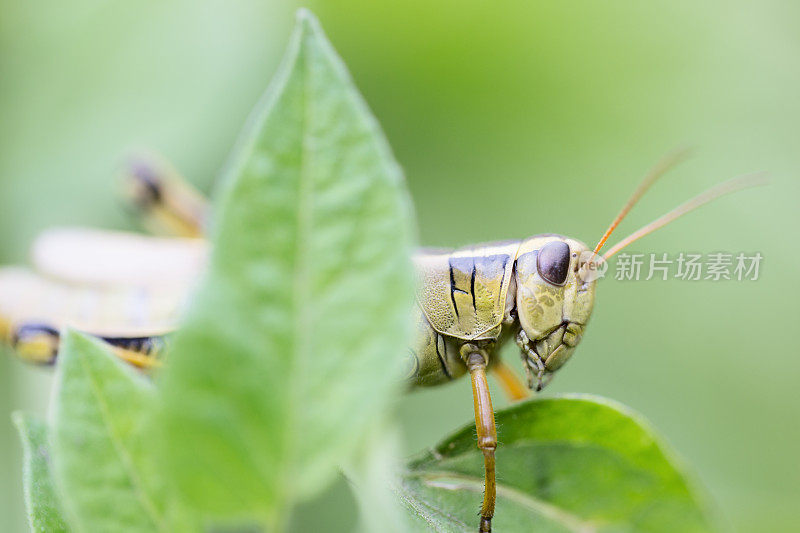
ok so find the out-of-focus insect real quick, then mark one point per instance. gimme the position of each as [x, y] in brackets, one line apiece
[164, 201]
[538, 291]
[124, 288]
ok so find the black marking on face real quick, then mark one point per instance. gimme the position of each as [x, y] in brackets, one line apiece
[552, 262]
[439, 353]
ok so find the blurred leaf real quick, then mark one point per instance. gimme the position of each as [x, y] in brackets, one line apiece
[573, 463]
[44, 510]
[102, 457]
[293, 346]
[373, 475]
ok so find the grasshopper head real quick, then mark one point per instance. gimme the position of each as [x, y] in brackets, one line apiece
[555, 276]
[555, 296]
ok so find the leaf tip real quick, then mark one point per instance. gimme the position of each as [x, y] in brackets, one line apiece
[70, 337]
[305, 19]
[72, 344]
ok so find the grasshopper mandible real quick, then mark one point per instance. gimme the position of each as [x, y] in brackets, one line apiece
[539, 291]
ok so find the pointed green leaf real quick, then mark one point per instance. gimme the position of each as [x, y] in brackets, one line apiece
[294, 342]
[574, 463]
[44, 509]
[102, 455]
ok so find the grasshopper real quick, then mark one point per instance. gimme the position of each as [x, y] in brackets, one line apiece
[538, 291]
[124, 288]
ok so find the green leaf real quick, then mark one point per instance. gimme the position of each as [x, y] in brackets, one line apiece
[293, 345]
[372, 476]
[44, 510]
[102, 455]
[572, 463]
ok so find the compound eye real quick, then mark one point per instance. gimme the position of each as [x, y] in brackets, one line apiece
[553, 262]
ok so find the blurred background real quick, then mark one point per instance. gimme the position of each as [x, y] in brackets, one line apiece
[510, 119]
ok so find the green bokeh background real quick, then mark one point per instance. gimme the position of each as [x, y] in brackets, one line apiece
[509, 118]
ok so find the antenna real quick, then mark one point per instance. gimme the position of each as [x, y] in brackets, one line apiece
[666, 163]
[726, 187]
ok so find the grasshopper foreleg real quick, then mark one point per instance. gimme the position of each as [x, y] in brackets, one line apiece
[487, 433]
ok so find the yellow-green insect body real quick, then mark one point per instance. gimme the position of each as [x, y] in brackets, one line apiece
[483, 295]
[128, 290]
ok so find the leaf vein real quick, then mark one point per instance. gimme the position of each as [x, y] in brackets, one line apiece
[116, 441]
[463, 482]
